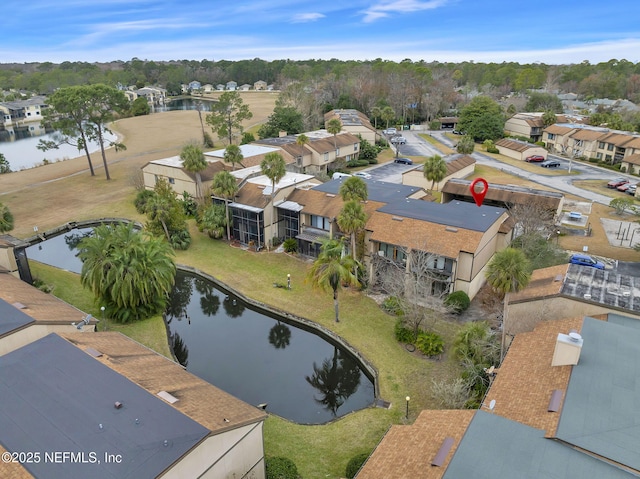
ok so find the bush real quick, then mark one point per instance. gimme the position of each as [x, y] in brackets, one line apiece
[354, 464]
[404, 335]
[141, 200]
[280, 468]
[392, 306]
[458, 301]
[275, 242]
[429, 343]
[493, 149]
[356, 163]
[594, 160]
[180, 240]
[290, 245]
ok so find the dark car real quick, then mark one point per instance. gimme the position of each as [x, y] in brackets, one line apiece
[550, 164]
[617, 182]
[404, 161]
[534, 159]
[586, 260]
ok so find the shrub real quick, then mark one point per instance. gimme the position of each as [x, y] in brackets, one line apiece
[493, 149]
[392, 306]
[280, 468]
[290, 245]
[180, 240]
[354, 464]
[594, 160]
[141, 200]
[458, 301]
[275, 242]
[429, 343]
[356, 163]
[404, 335]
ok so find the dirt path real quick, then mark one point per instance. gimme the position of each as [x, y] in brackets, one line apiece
[50, 195]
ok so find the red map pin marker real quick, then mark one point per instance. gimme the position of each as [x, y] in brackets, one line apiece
[478, 196]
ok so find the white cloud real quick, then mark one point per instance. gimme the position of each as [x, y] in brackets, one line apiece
[386, 8]
[307, 17]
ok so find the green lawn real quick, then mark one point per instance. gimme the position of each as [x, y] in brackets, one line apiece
[318, 451]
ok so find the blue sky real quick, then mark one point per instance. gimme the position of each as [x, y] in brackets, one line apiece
[545, 31]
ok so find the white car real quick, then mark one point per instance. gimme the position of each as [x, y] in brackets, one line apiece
[390, 131]
[363, 174]
[398, 140]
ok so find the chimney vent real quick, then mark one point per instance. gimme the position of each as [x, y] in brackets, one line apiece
[567, 351]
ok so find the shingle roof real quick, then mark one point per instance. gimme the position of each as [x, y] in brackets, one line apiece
[406, 452]
[515, 145]
[544, 283]
[198, 399]
[557, 129]
[44, 308]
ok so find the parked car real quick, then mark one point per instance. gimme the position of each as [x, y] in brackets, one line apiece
[337, 175]
[550, 164]
[458, 132]
[586, 260]
[363, 174]
[624, 187]
[617, 182]
[631, 190]
[404, 161]
[399, 140]
[390, 131]
[534, 159]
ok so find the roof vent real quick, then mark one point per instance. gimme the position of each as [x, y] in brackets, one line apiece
[397, 218]
[167, 397]
[19, 305]
[442, 452]
[567, 350]
[558, 278]
[587, 296]
[451, 229]
[331, 195]
[93, 352]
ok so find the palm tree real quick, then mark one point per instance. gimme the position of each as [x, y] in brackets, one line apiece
[214, 220]
[387, 114]
[225, 186]
[129, 272]
[334, 126]
[6, 219]
[332, 269]
[274, 168]
[435, 169]
[354, 188]
[509, 271]
[376, 111]
[194, 161]
[233, 155]
[302, 140]
[351, 220]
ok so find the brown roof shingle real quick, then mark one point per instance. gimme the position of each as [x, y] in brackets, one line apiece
[197, 399]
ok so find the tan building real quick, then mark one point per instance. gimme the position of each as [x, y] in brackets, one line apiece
[574, 140]
[527, 125]
[323, 152]
[460, 238]
[172, 171]
[519, 150]
[458, 166]
[354, 122]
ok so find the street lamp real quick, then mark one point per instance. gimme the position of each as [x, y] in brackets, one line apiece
[102, 308]
[406, 416]
[288, 281]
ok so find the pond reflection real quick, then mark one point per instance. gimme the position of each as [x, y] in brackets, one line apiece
[261, 359]
[255, 356]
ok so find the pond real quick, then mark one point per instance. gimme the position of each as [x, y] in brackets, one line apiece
[252, 354]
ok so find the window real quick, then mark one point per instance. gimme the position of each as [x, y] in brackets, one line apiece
[392, 252]
[337, 152]
[599, 156]
[551, 136]
[610, 146]
[299, 161]
[320, 222]
[288, 223]
[601, 144]
[355, 147]
[326, 156]
[248, 226]
[607, 157]
[172, 181]
[578, 143]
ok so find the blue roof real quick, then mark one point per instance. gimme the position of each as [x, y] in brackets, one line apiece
[56, 397]
[459, 214]
[11, 318]
[600, 408]
[494, 447]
